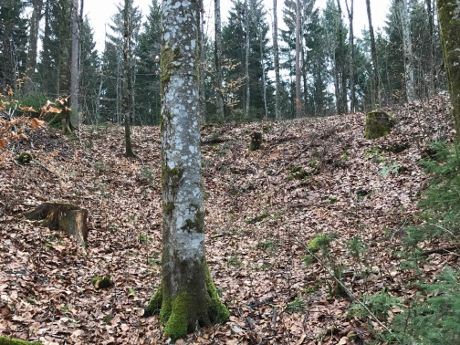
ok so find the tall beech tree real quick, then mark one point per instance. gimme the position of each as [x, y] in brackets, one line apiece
[449, 22]
[186, 295]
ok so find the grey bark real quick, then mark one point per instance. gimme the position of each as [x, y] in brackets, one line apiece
[298, 70]
[31, 62]
[186, 292]
[277, 60]
[74, 66]
[218, 59]
[246, 57]
[127, 79]
[375, 64]
[407, 49]
[351, 57]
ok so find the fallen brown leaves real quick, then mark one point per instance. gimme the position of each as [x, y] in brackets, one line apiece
[311, 177]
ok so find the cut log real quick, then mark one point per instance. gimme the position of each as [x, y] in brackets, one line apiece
[61, 216]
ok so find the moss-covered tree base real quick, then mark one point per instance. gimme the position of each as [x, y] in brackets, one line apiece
[179, 315]
[378, 124]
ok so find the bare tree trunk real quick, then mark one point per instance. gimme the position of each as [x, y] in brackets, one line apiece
[246, 58]
[376, 76]
[202, 65]
[264, 78]
[431, 63]
[277, 60]
[74, 69]
[449, 26]
[186, 297]
[341, 68]
[298, 71]
[407, 50]
[127, 81]
[31, 62]
[351, 62]
[218, 59]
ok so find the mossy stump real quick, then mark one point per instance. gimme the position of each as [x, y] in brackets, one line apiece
[69, 218]
[256, 141]
[378, 124]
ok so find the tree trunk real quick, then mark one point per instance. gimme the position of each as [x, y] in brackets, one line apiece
[218, 59]
[202, 97]
[31, 63]
[351, 57]
[449, 22]
[343, 109]
[264, 78]
[246, 58]
[187, 296]
[431, 63]
[74, 66]
[298, 71]
[376, 76]
[127, 81]
[277, 60]
[407, 50]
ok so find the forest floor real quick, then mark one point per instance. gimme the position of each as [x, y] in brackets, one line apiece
[313, 176]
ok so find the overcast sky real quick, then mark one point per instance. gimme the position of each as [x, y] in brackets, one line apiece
[100, 12]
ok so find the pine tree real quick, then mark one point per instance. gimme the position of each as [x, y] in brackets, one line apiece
[13, 40]
[147, 86]
[90, 75]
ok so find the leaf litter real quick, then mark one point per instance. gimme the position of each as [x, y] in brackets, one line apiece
[312, 176]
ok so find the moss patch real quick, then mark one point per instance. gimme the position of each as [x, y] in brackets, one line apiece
[378, 124]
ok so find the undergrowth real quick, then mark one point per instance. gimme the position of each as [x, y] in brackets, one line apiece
[431, 314]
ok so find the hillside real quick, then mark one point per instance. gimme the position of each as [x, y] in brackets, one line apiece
[262, 208]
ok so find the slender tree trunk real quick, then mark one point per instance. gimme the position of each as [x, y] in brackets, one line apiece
[264, 81]
[298, 70]
[341, 66]
[31, 62]
[187, 297]
[202, 66]
[218, 59]
[351, 62]
[127, 80]
[407, 50]
[277, 60]
[431, 63]
[246, 57]
[376, 76]
[74, 66]
[449, 22]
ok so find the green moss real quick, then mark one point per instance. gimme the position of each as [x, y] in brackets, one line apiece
[168, 208]
[13, 341]
[177, 325]
[378, 124]
[218, 311]
[197, 225]
[169, 63]
[101, 282]
[155, 302]
[172, 177]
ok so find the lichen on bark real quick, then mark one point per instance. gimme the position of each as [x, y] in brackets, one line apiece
[186, 295]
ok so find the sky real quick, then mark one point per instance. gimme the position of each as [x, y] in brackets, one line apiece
[100, 12]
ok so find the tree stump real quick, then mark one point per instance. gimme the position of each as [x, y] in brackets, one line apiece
[61, 216]
[378, 124]
[256, 141]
